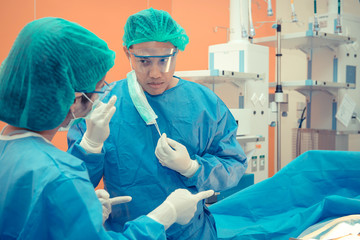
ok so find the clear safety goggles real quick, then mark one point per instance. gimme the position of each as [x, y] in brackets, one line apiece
[144, 60]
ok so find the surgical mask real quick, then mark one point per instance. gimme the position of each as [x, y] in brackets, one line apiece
[140, 102]
[77, 120]
[72, 122]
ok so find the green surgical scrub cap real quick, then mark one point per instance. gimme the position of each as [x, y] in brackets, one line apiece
[154, 25]
[50, 60]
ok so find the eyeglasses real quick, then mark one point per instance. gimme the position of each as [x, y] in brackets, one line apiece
[145, 59]
[103, 90]
[101, 93]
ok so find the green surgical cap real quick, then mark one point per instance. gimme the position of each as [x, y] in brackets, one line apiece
[154, 25]
[50, 60]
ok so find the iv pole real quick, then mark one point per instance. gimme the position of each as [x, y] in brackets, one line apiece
[279, 95]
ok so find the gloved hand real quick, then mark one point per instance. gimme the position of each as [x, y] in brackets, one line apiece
[107, 202]
[174, 155]
[180, 207]
[97, 126]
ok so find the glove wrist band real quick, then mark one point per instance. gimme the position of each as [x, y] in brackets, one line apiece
[194, 166]
[164, 214]
[90, 146]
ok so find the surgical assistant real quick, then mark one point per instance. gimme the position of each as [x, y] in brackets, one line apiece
[194, 119]
[51, 77]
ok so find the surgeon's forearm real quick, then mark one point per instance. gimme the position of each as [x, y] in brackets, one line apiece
[216, 173]
[94, 162]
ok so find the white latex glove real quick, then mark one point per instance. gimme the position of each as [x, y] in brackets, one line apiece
[180, 207]
[107, 202]
[97, 126]
[174, 155]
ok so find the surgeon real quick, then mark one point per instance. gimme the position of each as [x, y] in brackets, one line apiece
[167, 133]
[51, 78]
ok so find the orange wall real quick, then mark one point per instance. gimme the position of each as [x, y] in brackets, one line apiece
[107, 18]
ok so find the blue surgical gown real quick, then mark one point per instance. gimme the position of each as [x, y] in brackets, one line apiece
[188, 113]
[46, 194]
[316, 186]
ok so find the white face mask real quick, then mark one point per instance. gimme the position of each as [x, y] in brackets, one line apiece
[140, 102]
[77, 120]
[73, 121]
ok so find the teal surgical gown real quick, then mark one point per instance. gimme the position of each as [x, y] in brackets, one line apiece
[46, 194]
[188, 113]
[316, 186]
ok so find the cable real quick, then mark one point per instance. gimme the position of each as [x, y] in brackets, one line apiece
[302, 118]
[298, 135]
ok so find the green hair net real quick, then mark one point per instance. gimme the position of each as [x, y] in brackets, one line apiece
[154, 25]
[50, 60]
